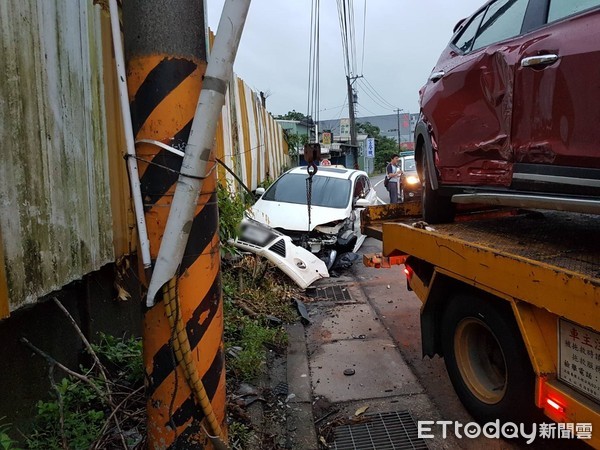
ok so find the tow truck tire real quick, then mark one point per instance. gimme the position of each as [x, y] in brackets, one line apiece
[487, 361]
[436, 208]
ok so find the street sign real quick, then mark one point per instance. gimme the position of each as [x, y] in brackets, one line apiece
[370, 147]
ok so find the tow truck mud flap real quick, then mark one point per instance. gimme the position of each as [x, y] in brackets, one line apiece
[296, 262]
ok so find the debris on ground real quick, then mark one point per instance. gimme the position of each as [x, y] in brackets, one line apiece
[301, 307]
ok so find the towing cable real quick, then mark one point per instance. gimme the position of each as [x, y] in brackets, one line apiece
[312, 153]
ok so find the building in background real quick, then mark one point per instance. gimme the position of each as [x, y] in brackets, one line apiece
[399, 127]
[299, 127]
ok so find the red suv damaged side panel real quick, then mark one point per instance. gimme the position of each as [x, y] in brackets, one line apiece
[488, 112]
[556, 114]
[470, 110]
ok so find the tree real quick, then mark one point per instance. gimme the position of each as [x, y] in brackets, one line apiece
[369, 129]
[293, 115]
[384, 146]
[295, 141]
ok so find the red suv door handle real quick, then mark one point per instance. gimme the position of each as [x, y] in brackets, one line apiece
[435, 76]
[539, 60]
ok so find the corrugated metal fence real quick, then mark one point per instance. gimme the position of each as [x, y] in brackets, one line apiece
[65, 208]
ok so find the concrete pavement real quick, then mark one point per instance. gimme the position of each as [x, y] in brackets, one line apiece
[362, 349]
[346, 359]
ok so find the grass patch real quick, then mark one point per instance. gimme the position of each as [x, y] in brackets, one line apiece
[6, 442]
[77, 414]
[231, 213]
[257, 302]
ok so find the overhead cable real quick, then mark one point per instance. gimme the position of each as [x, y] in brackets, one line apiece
[313, 69]
[362, 66]
[369, 92]
[369, 86]
[363, 106]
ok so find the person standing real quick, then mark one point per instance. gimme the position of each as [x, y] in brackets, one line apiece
[392, 172]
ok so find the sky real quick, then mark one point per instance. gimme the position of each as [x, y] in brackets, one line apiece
[402, 42]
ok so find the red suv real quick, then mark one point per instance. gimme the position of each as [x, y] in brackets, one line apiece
[510, 114]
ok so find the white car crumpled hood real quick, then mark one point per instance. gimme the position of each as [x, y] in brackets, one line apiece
[292, 217]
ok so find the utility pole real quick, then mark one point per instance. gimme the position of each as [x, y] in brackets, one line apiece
[398, 114]
[350, 81]
[166, 53]
[351, 101]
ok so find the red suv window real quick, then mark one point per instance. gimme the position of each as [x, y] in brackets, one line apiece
[564, 8]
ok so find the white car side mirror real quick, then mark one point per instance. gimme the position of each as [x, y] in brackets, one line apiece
[362, 203]
[259, 191]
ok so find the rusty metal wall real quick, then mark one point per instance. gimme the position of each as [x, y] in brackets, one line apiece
[55, 211]
[65, 207]
[249, 140]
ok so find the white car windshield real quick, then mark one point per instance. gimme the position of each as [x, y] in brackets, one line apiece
[409, 165]
[326, 191]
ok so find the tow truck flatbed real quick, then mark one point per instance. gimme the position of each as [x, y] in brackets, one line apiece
[526, 281]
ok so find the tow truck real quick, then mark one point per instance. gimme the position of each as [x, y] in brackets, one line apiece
[511, 301]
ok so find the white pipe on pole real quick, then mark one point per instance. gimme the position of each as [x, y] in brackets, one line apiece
[134, 177]
[199, 147]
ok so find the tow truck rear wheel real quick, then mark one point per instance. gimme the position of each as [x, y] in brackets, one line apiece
[487, 361]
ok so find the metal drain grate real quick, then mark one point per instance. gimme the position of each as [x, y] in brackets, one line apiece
[395, 430]
[337, 293]
[280, 389]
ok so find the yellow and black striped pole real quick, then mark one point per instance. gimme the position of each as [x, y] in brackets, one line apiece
[166, 49]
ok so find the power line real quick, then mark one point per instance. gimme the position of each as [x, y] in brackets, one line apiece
[342, 17]
[333, 107]
[364, 34]
[313, 69]
[377, 100]
[342, 109]
[352, 35]
[363, 106]
[378, 94]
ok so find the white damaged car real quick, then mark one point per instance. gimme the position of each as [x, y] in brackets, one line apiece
[337, 197]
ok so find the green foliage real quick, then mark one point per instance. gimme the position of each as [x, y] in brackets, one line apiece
[6, 442]
[231, 213]
[295, 142]
[123, 356]
[82, 416]
[239, 436]
[253, 336]
[253, 286]
[292, 115]
[76, 415]
[384, 146]
[266, 182]
[369, 129]
[255, 283]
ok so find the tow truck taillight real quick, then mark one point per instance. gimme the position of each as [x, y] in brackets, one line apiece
[554, 405]
[408, 271]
